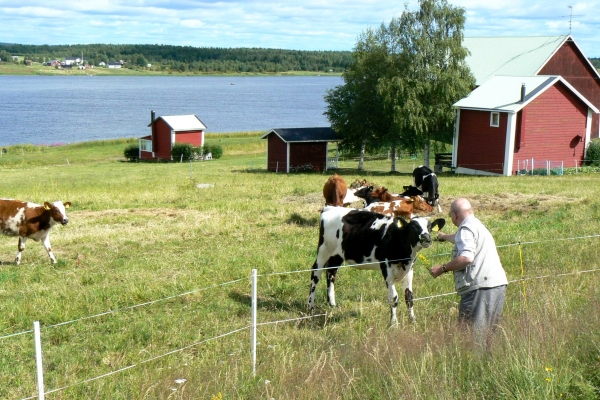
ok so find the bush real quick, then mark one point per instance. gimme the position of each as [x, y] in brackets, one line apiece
[132, 152]
[592, 155]
[216, 151]
[185, 149]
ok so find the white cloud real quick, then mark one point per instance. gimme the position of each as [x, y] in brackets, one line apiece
[192, 23]
[307, 25]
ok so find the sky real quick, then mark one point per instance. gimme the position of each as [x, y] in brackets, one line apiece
[281, 24]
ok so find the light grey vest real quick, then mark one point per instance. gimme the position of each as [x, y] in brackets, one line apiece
[486, 269]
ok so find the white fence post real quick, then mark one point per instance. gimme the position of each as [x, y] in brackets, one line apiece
[253, 324]
[38, 359]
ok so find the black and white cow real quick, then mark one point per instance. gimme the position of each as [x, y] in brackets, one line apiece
[426, 181]
[370, 241]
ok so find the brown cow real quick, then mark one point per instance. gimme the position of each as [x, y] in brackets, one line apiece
[334, 191]
[405, 207]
[31, 221]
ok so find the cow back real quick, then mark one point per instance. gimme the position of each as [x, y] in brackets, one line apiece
[334, 191]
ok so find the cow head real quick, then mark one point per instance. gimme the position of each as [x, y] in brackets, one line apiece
[58, 211]
[421, 205]
[364, 192]
[421, 228]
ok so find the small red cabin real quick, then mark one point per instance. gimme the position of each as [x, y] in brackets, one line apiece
[510, 124]
[300, 149]
[168, 130]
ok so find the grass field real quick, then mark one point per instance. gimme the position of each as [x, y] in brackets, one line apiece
[174, 261]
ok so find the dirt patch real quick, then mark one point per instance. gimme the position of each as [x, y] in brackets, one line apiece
[502, 202]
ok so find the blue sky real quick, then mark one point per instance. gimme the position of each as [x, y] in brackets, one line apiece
[298, 25]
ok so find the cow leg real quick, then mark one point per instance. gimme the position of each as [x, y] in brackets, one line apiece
[408, 294]
[331, 285]
[46, 243]
[388, 276]
[21, 248]
[315, 276]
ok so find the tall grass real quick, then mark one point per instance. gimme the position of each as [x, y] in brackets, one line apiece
[142, 232]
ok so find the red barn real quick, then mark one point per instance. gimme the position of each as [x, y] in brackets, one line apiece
[547, 102]
[508, 123]
[168, 130]
[291, 149]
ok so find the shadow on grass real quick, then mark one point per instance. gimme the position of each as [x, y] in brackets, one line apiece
[297, 309]
[298, 219]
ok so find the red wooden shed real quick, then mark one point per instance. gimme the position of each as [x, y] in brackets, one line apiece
[168, 130]
[300, 149]
[508, 123]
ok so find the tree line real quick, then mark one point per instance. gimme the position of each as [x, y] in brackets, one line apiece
[187, 58]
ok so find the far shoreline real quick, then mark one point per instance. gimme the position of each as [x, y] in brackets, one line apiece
[10, 69]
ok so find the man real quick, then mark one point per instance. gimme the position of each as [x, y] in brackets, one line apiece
[479, 278]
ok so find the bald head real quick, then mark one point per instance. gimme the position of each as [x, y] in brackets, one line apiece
[462, 207]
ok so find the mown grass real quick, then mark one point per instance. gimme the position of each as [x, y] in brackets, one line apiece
[142, 232]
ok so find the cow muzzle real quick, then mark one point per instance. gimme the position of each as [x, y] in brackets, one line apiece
[65, 221]
[425, 240]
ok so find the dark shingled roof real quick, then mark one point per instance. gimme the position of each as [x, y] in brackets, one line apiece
[322, 134]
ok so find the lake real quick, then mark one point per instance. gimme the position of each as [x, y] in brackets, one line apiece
[56, 110]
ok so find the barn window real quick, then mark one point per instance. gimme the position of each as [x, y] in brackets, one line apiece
[495, 119]
[145, 145]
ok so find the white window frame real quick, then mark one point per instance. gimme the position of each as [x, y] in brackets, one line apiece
[497, 115]
[146, 145]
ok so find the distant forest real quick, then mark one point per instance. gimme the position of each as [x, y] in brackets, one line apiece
[186, 58]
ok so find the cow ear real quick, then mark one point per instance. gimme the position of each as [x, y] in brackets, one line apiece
[402, 222]
[67, 204]
[438, 224]
[47, 205]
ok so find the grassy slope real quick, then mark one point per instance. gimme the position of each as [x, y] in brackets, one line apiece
[141, 232]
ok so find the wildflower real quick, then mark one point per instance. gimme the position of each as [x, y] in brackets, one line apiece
[548, 379]
[179, 381]
[548, 369]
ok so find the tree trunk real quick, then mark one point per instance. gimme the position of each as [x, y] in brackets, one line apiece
[426, 154]
[394, 158]
[361, 161]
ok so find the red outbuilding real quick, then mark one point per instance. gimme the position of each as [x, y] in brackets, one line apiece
[300, 149]
[168, 130]
[511, 125]
[498, 133]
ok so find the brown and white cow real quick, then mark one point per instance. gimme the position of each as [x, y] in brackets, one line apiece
[31, 221]
[370, 241]
[405, 207]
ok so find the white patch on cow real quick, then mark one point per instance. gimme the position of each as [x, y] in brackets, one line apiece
[32, 205]
[423, 222]
[380, 222]
[14, 223]
[350, 197]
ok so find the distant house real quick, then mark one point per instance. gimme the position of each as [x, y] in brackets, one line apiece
[114, 65]
[299, 148]
[168, 130]
[509, 122]
[72, 60]
[101, 64]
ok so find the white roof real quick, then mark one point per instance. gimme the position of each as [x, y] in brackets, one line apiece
[183, 122]
[503, 93]
[516, 56]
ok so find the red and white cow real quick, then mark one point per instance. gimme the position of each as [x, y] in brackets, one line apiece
[405, 207]
[370, 241]
[31, 221]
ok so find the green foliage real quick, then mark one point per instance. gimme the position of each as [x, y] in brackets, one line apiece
[132, 152]
[215, 150]
[194, 59]
[592, 155]
[402, 83]
[183, 149]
